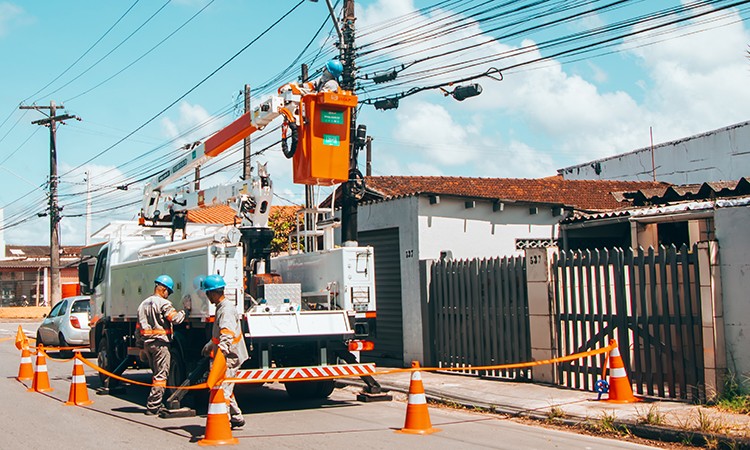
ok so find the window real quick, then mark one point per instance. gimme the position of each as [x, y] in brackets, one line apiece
[56, 310]
[101, 267]
[63, 308]
[80, 306]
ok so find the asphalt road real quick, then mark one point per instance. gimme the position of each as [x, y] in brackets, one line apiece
[32, 420]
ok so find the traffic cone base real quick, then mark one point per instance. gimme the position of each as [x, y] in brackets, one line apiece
[218, 429]
[79, 394]
[620, 389]
[417, 415]
[26, 369]
[41, 377]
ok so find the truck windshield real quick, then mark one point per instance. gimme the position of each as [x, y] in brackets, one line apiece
[101, 266]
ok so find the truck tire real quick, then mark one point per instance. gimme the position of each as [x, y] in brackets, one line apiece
[108, 357]
[305, 390]
[177, 372]
[103, 358]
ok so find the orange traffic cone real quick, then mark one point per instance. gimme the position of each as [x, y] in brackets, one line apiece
[417, 416]
[79, 394]
[620, 389]
[218, 429]
[41, 377]
[25, 370]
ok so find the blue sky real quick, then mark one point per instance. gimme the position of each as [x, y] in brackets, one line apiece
[539, 118]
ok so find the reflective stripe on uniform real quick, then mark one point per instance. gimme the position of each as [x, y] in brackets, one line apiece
[229, 332]
[160, 383]
[171, 315]
[155, 332]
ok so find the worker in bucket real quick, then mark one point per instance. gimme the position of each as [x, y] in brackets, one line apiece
[155, 318]
[328, 81]
[227, 338]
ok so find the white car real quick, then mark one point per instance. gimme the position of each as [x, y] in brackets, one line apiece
[67, 324]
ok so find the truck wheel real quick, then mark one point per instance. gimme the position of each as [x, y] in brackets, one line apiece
[108, 357]
[301, 390]
[177, 373]
[103, 358]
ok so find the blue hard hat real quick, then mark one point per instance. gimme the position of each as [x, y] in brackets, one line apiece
[334, 67]
[166, 281]
[213, 282]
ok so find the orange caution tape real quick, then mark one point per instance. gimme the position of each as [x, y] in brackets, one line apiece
[560, 359]
[7, 338]
[127, 380]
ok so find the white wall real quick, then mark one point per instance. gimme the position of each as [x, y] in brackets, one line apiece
[479, 232]
[734, 247]
[722, 154]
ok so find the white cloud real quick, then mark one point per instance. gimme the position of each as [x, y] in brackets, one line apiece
[9, 13]
[190, 116]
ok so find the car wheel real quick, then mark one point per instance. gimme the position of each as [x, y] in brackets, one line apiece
[39, 339]
[64, 343]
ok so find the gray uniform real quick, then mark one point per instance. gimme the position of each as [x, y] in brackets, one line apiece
[155, 317]
[227, 337]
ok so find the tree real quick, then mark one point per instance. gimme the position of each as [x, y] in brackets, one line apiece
[284, 220]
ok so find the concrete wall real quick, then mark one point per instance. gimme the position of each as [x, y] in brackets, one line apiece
[732, 234]
[722, 154]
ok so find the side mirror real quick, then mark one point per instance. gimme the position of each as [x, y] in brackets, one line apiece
[83, 278]
[44, 316]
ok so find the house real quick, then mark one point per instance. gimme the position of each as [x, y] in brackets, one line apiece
[409, 219]
[24, 273]
[717, 155]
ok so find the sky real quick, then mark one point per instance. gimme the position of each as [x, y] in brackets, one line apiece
[147, 77]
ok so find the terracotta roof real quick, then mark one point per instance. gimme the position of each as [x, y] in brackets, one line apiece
[593, 195]
[684, 192]
[223, 214]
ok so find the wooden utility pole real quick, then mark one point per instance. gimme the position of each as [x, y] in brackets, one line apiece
[247, 168]
[348, 82]
[54, 210]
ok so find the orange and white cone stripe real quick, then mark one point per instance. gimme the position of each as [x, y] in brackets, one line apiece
[41, 377]
[620, 389]
[417, 415]
[79, 394]
[26, 369]
[218, 428]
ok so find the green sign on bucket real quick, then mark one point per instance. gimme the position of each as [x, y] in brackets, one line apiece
[334, 117]
[331, 139]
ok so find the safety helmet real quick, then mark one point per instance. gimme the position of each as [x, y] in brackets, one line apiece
[213, 282]
[334, 67]
[166, 281]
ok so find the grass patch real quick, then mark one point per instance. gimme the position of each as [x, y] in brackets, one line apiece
[736, 398]
[708, 424]
[652, 416]
[555, 412]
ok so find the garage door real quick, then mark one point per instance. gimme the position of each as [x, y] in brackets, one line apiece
[389, 343]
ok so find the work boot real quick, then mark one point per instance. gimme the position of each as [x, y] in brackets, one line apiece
[154, 411]
[237, 423]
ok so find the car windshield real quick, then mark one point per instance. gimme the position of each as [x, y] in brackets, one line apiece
[81, 306]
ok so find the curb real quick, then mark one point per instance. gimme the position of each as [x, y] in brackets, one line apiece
[652, 432]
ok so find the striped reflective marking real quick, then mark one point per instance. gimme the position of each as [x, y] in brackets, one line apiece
[617, 372]
[615, 352]
[417, 399]
[416, 376]
[79, 379]
[217, 408]
[41, 368]
[26, 360]
[302, 373]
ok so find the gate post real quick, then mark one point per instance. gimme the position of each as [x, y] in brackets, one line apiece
[541, 311]
[712, 318]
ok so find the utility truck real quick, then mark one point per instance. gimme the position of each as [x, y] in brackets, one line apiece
[306, 314]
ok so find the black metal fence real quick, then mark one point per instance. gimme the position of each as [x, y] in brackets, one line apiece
[648, 301]
[479, 311]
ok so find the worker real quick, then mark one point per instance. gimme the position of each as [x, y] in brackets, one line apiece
[155, 318]
[227, 338]
[328, 81]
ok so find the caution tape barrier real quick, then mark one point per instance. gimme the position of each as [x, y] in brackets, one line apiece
[560, 359]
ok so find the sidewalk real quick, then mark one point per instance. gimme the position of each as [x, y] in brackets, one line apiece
[681, 422]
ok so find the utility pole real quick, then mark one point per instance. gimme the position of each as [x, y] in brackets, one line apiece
[54, 209]
[311, 241]
[247, 167]
[348, 82]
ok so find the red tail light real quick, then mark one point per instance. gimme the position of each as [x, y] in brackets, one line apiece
[361, 346]
[74, 322]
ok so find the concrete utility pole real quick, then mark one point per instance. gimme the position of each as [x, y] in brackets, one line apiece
[54, 210]
[247, 167]
[348, 82]
[88, 207]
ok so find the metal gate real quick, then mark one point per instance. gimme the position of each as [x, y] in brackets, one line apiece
[479, 311]
[648, 301]
[389, 339]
